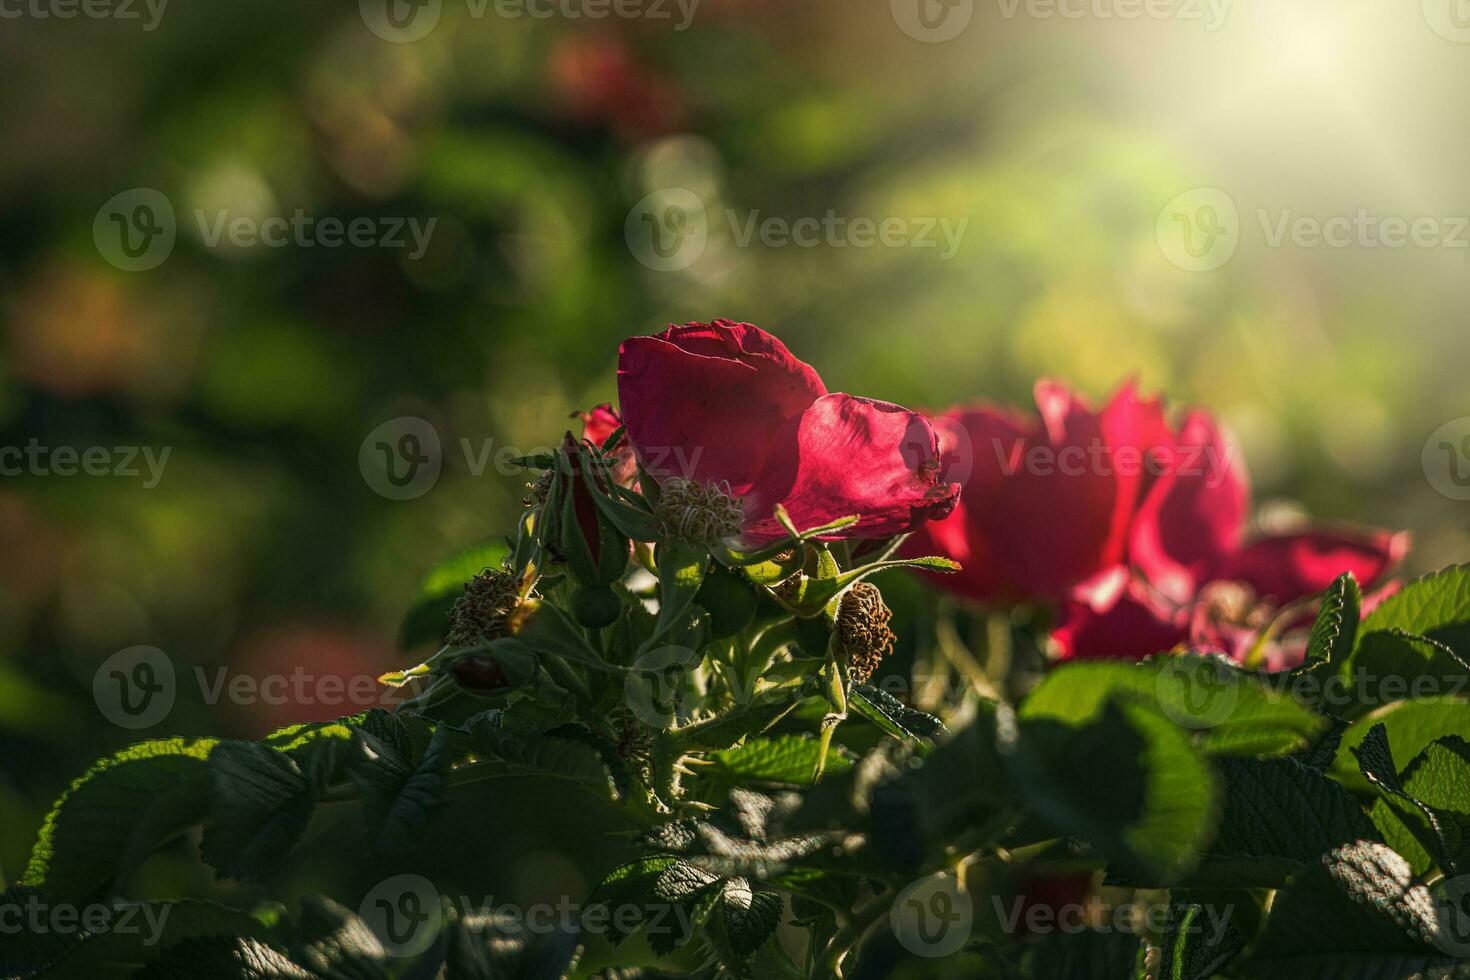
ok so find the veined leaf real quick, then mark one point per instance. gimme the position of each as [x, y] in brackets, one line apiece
[117, 813]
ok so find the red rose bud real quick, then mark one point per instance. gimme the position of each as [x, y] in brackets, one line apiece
[598, 426]
[596, 552]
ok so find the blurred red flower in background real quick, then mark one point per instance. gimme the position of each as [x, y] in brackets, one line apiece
[1133, 529]
[598, 79]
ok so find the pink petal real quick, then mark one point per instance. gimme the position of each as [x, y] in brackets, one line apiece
[1050, 523]
[849, 455]
[705, 401]
[1288, 567]
[1116, 617]
[974, 444]
[1194, 514]
[1137, 435]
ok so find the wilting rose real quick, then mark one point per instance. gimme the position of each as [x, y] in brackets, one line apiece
[725, 405]
[1049, 501]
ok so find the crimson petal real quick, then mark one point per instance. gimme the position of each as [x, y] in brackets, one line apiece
[848, 455]
[706, 401]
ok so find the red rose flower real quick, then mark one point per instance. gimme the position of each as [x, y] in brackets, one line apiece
[1047, 502]
[727, 409]
[1191, 577]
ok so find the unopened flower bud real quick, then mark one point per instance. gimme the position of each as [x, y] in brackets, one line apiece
[862, 630]
[702, 513]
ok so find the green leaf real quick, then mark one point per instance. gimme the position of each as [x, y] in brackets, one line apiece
[1436, 606]
[917, 811]
[1129, 783]
[1391, 665]
[1336, 628]
[1198, 942]
[549, 632]
[1425, 815]
[333, 943]
[1410, 727]
[744, 918]
[1359, 911]
[137, 931]
[681, 571]
[117, 813]
[751, 718]
[223, 958]
[550, 755]
[1232, 711]
[1262, 840]
[892, 715]
[428, 618]
[399, 798]
[784, 759]
[260, 804]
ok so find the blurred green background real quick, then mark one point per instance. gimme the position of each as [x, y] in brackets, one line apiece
[1056, 142]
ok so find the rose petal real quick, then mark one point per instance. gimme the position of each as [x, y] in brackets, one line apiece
[974, 445]
[848, 455]
[1288, 567]
[1193, 515]
[1050, 525]
[1116, 617]
[705, 401]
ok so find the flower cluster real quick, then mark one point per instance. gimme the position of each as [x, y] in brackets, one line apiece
[1132, 530]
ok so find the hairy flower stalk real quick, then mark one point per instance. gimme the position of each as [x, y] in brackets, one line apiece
[702, 513]
[862, 630]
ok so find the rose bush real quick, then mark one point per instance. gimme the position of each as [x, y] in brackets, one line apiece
[690, 626]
